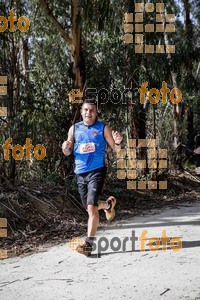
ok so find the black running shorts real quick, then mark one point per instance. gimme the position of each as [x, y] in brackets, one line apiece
[90, 185]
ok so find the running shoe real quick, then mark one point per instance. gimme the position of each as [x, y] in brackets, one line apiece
[110, 211]
[84, 249]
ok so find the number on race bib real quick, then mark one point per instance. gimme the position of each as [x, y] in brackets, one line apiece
[87, 148]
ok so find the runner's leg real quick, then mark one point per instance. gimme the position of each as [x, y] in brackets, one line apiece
[93, 221]
[96, 182]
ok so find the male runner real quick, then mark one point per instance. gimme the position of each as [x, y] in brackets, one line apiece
[87, 139]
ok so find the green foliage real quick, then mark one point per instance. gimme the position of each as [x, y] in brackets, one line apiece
[38, 97]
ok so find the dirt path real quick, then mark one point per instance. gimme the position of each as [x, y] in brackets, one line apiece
[60, 273]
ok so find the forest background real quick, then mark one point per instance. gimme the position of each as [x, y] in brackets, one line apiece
[80, 45]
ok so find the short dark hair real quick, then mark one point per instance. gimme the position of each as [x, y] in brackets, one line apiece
[90, 101]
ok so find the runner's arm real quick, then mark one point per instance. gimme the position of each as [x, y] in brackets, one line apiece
[68, 146]
[113, 138]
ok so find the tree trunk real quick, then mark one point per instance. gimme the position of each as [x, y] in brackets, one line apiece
[74, 44]
[188, 62]
[177, 118]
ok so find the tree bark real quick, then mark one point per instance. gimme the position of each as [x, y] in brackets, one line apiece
[58, 26]
[74, 44]
[188, 61]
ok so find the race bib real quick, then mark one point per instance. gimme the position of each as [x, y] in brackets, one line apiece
[87, 148]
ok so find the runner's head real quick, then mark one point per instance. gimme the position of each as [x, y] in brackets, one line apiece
[89, 112]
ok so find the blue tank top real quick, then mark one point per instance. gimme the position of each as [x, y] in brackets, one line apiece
[89, 147]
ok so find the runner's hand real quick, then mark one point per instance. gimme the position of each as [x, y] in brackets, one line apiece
[117, 137]
[66, 145]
